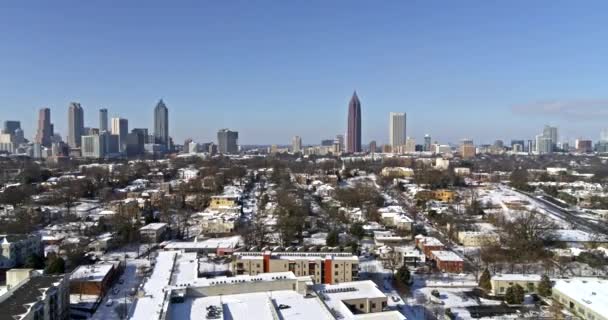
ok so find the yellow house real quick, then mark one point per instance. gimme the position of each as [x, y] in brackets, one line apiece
[443, 195]
[221, 202]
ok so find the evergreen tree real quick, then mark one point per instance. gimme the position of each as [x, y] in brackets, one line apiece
[544, 287]
[34, 261]
[514, 294]
[485, 280]
[333, 239]
[55, 265]
[403, 275]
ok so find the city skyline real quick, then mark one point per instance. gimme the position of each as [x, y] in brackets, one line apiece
[435, 72]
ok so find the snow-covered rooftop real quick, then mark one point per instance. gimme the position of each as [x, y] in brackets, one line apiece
[590, 292]
[92, 273]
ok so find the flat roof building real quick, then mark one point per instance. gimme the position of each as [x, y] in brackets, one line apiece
[322, 267]
[585, 297]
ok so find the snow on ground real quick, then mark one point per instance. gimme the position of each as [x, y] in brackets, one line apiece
[513, 202]
[121, 293]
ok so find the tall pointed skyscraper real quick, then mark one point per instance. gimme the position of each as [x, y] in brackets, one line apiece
[353, 133]
[161, 124]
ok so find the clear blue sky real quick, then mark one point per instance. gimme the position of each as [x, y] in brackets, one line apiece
[274, 69]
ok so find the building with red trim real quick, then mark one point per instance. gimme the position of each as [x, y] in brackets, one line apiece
[322, 267]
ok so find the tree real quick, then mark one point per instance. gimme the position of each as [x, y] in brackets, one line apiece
[519, 180]
[526, 236]
[544, 287]
[33, 261]
[356, 230]
[403, 276]
[485, 280]
[514, 294]
[55, 265]
[332, 239]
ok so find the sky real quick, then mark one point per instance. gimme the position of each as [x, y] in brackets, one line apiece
[483, 69]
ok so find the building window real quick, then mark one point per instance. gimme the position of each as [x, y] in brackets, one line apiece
[373, 305]
[336, 273]
[361, 306]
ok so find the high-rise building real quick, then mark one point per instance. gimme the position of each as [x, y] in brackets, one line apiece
[10, 126]
[396, 132]
[373, 146]
[144, 133]
[327, 142]
[340, 140]
[161, 124]
[583, 146]
[518, 142]
[467, 149]
[94, 146]
[551, 133]
[543, 144]
[120, 127]
[604, 135]
[296, 144]
[103, 120]
[45, 128]
[75, 124]
[353, 133]
[410, 145]
[427, 143]
[135, 143]
[227, 141]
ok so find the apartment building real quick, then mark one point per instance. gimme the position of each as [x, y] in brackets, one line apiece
[322, 267]
[15, 248]
[428, 244]
[477, 238]
[585, 297]
[31, 296]
[501, 282]
[447, 261]
[153, 232]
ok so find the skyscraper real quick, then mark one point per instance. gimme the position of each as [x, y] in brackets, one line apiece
[161, 124]
[340, 139]
[353, 133]
[227, 141]
[45, 128]
[120, 127]
[10, 126]
[396, 132]
[75, 124]
[550, 133]
[467, 149]
[296, 144]
[427, 142]
[103, 120]
[604, 135]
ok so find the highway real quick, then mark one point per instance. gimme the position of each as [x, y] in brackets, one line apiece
[566, 215]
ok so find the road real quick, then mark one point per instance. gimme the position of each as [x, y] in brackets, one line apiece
[565, 214]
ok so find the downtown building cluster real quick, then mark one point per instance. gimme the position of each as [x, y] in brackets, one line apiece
[399, 142]
[111, 139]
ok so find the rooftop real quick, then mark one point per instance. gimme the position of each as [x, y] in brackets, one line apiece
[264, 305]
[153, 226]
[212, 243]
[26, 295]
[92, 273]
[516, 277]
[589, 292]
[445, 255]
